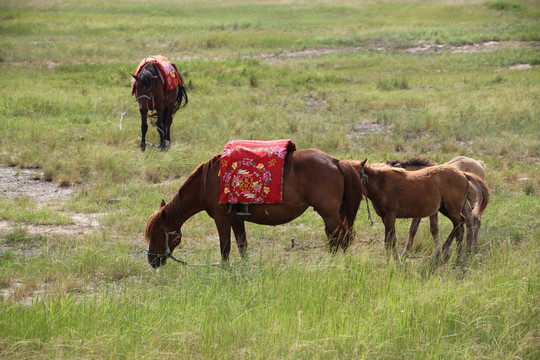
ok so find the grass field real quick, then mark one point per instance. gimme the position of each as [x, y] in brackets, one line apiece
[356, 79]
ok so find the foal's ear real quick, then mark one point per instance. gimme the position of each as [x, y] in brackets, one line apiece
[162, 203]
[135, 77]
[363, 163]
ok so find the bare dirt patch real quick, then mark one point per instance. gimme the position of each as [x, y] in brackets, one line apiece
[460, 49]
[17, 182]
[421, 48]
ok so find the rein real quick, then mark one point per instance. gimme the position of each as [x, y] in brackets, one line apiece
[167, 253]
[364, 181]
[153, 106]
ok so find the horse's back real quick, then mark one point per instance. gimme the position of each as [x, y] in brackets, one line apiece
[314, 174]
[470, 165]
[444, 174]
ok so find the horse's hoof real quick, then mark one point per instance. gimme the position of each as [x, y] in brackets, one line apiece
[142, 147]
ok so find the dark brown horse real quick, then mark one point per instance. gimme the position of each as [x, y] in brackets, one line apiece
[151, 93]
[311, 178]
[396, 193]
[473, 223]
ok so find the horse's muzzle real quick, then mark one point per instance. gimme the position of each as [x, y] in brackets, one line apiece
[157, 261]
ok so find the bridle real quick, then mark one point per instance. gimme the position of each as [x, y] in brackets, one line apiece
[167, 254]
[153, 106]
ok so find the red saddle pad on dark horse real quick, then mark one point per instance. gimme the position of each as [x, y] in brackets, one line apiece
[252, 171]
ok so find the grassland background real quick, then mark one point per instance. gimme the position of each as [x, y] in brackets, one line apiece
[356, 79]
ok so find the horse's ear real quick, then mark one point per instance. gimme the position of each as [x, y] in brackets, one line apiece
[363, 163]
[163, 216]
[162, 203]
[135, 77]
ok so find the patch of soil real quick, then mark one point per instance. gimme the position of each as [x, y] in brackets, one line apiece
[461, 49]
[370, 127]
[422, 48]
[16, 182]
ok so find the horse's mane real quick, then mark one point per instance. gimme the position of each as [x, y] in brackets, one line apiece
[421, 162]
[200, 172]
[174, 209]
[145, 75]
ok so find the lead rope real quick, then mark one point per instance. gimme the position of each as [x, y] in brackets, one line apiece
[364, 181]
[168, 253]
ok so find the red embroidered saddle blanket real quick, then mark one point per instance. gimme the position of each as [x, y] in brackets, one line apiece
[168, 74]
[252, 171]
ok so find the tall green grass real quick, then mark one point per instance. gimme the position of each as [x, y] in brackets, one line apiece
[318, 307]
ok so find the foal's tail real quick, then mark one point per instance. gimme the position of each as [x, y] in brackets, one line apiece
[481, 186]
[352, 195]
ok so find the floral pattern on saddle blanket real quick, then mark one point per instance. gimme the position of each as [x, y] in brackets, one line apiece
[168, 74]
[251, 172]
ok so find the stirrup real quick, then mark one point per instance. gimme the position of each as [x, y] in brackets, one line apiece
[244, 211]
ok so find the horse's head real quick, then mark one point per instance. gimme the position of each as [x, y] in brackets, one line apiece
[144, 88]
[161, 238]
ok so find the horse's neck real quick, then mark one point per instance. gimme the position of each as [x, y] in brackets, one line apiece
[374, 177]
[186, 202]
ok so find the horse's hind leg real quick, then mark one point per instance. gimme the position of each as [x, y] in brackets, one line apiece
[413, 228]
[161, 127]
[457, 232]
[434, 228]
[336, 232]
[239, 230]
[470, 222]
[167, 125]
[476, 226]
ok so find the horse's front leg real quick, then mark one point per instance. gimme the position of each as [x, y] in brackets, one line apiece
[144, 127]
[390, 236]
[224, 231]
[239, 230]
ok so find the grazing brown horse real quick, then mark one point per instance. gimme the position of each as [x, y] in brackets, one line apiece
[473, 223]
[151, 93]
[396, 193]
[310, 178]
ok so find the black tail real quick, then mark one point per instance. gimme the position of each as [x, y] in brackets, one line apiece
[182, 94]
[352, 195]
